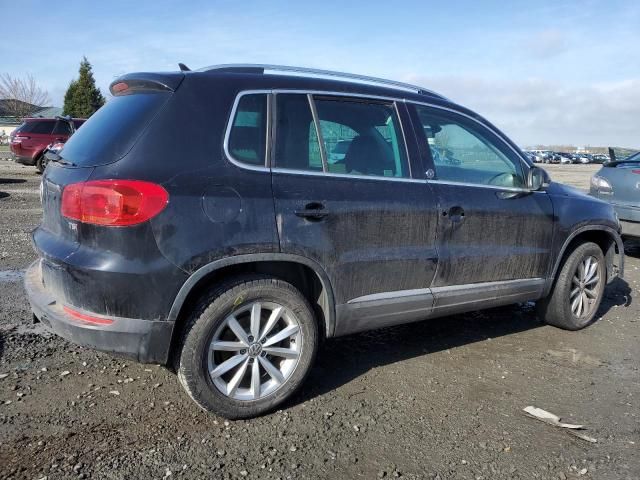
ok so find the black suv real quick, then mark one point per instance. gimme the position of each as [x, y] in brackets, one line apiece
[196, 221]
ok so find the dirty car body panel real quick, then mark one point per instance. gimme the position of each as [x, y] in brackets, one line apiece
[399, 245]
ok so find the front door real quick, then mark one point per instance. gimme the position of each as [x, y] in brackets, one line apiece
[494, 235]
[345, 198]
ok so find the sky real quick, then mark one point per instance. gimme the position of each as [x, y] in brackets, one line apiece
[545, 72]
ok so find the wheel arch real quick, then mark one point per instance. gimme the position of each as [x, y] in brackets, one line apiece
[605, 237]
[303, 273]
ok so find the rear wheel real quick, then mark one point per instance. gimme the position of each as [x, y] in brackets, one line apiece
[578, 290]
[41, 163]
[247, 347]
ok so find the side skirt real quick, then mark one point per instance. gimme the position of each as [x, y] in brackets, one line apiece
[394, 308]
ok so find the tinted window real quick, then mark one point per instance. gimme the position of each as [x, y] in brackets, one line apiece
[373, 133]
[247, 139]
[359, 138]
[24, 128]
[113, 130]
[41, 127]
[62, 128]
[297, 144]
[464, 151]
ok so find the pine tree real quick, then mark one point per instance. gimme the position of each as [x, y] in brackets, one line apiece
[83, 98]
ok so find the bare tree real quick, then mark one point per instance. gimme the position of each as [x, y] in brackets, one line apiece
[21, 97]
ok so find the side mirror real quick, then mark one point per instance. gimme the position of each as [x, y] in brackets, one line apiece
[538, 178]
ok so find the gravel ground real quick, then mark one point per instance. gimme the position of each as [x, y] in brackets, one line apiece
[440, 399]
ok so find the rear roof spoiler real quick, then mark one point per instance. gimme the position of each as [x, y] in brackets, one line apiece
[142, 81]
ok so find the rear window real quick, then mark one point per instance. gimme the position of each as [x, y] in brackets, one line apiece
[41, 127]
[113, 130]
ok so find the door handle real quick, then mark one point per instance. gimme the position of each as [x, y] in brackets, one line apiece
[455, 214]
[312, 211]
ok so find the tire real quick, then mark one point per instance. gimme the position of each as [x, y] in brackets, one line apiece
[40, 163]
[560, 308]
[211, 321]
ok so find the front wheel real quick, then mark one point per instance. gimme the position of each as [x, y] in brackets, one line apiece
[578, 290]
[247, 347]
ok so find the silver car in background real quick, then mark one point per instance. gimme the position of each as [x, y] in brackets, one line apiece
[618, 183]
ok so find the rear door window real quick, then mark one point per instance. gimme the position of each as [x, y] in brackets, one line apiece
[357, 137]
[296, 145]
[248, 134]
[44, 128]
[62, 128]
[372, 131]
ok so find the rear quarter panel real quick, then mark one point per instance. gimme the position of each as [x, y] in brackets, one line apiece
[215, 209]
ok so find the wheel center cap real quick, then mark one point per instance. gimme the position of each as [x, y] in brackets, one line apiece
[255, 349]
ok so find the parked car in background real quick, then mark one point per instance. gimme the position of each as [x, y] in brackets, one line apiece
[544, 156]
[618, 183]
[600, 158]
[31, 138]
[582, 158]
[563, 158]
[233, 263]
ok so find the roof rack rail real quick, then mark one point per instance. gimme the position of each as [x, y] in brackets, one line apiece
[303, 71]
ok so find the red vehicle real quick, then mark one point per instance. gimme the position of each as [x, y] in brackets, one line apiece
[29, 140]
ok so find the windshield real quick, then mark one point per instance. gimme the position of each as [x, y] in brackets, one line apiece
[113, 130]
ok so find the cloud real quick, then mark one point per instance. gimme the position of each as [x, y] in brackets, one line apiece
[535, 111]
[546, 44]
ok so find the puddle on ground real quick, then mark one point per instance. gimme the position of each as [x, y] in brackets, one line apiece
[575, 356]
[11, 275]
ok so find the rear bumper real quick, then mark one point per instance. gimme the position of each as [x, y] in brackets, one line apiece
[145, 341]
[630, 229]
[23, 160]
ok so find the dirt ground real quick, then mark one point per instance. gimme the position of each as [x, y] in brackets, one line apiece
[441, 399]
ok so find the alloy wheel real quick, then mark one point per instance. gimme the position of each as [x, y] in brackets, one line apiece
[254, 351]
[585, 287]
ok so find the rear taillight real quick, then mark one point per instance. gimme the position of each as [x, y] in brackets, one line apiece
[635, 171]
[113, 202]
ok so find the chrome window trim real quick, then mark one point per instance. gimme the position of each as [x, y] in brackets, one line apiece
[291, 171]
[227, 134]
[240, 164]
[482, 185]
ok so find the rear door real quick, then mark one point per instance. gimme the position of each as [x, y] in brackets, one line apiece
[361, 215]
[494, 235]
[61, 131]
[35, 136]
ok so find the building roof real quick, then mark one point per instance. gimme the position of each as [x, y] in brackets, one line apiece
[47, 112]
[37, 112]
